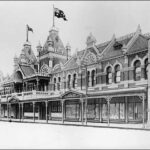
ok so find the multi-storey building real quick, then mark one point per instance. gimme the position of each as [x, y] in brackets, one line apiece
[105, 82]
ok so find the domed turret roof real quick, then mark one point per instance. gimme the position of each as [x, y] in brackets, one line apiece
[55, 39]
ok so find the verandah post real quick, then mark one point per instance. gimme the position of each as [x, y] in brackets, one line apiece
[19, 112]
[46, 112]
[33, 111]
[126, 109]
[7, 110]
[22, 112]
[62, 102]
[108, 109]
[143, 101]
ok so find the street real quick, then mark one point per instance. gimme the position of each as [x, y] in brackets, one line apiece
[40, 136]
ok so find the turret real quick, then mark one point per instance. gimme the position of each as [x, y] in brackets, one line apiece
[27, 45]
[68, 49]
[39, 47]
[23, 57]
[50, 42]
[90, 40]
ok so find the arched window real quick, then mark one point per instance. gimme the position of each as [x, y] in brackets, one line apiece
[54, 84]
[69, 81]
[137, 70]
[117, 74]
[58, 84]
[109, 75]
[146, 68]
[88, 78]
[93, 77]
[74, 81]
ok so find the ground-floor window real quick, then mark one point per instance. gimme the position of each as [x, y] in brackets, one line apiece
[117, 111]
[56, 107]
[135, 111]
[104, 111]
[72, 110]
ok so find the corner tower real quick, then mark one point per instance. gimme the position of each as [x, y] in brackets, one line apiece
[53, 51]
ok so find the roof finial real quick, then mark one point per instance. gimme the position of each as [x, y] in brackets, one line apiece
[113, 37]
[138, 30]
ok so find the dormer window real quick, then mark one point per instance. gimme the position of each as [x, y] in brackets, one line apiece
[117, 46]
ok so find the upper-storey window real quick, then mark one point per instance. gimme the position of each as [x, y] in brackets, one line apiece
[58, 84]
[54, 84]
[117, 74]
[109, 75]
[69, 81]
[137, 70]
[146, 68]
[93, 77]
[74, 81]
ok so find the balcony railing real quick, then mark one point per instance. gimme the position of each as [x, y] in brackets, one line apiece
[28, 95]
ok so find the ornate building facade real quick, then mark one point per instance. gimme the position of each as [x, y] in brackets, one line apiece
[107, 82]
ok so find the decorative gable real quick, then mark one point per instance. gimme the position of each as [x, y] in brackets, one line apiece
[89, 58]
[72, 94]
[45, 69]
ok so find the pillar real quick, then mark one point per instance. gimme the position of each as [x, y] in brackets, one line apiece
[26, 86]
[126, 109]
[82, 111]
[62, 102]
[22, 111]
[86, 103]
[33, 111]
[108, 110]
[46, 113]
[37, 84]
[143, 102]
[8, 110]
[23, 87]
[38, 111]
[100, 111]
[49, 110]
[19, 112]
[108, 104]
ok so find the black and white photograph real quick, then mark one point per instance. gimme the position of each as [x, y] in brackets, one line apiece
[74, 75]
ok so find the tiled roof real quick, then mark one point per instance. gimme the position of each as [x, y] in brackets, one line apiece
[27, 70]
[57, 69]
[57, 43]
[141, 43]
[102, 46]
[71, 63]
[112, 52]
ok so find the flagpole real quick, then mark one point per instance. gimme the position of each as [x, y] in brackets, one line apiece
[53, 17]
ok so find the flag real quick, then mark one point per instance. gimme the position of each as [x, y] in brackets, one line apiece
[29, 28]
[59, 14]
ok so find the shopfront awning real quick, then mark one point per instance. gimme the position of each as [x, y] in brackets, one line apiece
[139, 91]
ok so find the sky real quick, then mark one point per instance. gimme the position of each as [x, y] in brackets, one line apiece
[101, 18]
